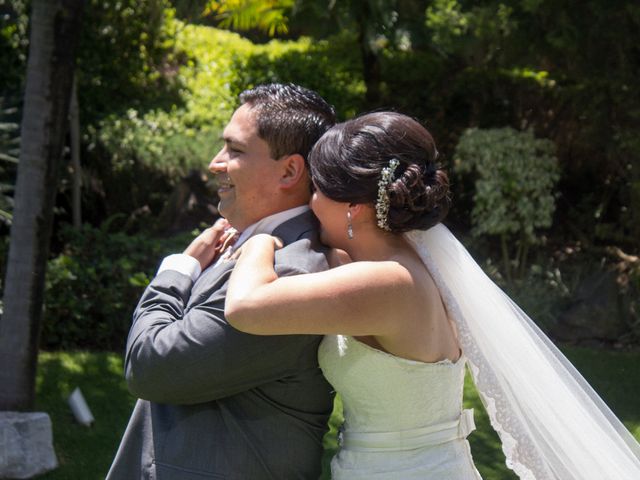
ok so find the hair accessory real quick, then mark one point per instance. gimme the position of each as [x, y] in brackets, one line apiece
[382, 203]
[349, 226]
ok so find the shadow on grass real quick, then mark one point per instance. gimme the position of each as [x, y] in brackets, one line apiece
[84, 452]
[616, 378]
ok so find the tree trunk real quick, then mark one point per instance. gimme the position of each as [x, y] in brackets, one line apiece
[74, 138]
[54, 33]
[370, 60]
[371, 73]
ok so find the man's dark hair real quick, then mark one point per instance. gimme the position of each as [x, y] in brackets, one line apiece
[289, 118]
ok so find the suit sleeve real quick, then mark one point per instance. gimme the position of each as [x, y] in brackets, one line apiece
[183, 355]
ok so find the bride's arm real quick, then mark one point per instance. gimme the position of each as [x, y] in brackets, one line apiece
[359, 298]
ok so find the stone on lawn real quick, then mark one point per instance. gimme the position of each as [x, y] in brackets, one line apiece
[26, 445]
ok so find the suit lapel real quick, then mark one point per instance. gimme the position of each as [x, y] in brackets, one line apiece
[210, 276]
[294, 229]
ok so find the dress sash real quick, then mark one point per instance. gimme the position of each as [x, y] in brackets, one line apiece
[415, 438]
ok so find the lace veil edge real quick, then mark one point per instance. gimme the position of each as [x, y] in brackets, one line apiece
[551, 423]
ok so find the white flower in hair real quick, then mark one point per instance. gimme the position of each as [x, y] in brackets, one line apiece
[382, 203]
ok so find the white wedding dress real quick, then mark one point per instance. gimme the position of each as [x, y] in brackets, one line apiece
[403, 418]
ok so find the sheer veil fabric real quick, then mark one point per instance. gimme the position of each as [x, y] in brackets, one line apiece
[552, 424]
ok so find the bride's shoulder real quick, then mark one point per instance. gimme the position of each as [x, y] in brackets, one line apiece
[337, 257]
[388, 274]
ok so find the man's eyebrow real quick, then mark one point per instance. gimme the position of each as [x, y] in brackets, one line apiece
[230, 139]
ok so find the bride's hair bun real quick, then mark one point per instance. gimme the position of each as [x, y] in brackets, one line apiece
[418, 199]
[352, 161]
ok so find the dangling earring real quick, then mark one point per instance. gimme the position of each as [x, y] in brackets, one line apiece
[349, 226]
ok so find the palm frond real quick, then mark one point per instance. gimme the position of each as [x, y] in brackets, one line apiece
[269, 16]
[6, 217]
[8, 158]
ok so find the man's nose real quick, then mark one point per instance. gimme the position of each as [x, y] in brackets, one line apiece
[218, 164]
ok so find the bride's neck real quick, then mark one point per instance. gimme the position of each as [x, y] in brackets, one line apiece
[375, 245]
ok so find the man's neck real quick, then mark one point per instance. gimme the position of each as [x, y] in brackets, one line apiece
[270, 223]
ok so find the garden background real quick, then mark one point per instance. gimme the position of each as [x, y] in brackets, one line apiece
[534, 105]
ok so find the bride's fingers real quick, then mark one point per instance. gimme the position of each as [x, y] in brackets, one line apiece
[277, 243]
[206, 247]
[221, 225]
[236, 254]
[261, 243]
[215, 233]
[228, 239]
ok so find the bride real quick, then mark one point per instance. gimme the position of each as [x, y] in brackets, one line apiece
[403, 311]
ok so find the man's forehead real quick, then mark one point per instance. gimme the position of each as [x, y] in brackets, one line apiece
[242, 125]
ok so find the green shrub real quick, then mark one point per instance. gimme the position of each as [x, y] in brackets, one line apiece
[332, 67]
[515, 178]
[217, 66]
[185, 135]
[136, 156]
[126, 57]
[9, 153]
[14, 41]
[94, 284]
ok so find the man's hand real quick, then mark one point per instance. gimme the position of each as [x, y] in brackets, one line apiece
[207, 246]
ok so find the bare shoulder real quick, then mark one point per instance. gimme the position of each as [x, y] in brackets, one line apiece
[338, 257]
[389, 275]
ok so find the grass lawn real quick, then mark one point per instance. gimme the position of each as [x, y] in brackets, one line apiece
[86, 453]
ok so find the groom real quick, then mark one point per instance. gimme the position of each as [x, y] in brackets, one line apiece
[215, 402]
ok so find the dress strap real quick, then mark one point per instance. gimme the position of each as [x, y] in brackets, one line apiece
[410, 439]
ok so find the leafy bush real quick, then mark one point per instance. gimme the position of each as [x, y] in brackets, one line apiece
[185, 135]
[9, 152]
[332, 67]
[125, 57]
[94, 284]
[515, 178]
[217, 66]
[13, 44]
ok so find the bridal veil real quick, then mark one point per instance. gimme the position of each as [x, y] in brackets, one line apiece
[552, 424]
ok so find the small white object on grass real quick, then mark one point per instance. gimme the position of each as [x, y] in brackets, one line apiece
[80, 408]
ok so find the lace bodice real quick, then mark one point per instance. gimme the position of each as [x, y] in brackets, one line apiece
[384, 393]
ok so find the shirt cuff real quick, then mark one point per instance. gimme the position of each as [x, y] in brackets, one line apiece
[181, 263]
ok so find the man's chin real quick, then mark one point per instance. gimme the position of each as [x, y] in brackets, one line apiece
[224, 211]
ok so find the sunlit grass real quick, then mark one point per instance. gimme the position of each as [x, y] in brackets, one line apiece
[85, 453]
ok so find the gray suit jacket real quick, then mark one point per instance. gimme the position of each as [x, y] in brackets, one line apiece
[216, 402]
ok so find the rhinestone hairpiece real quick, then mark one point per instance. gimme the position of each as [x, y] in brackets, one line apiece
[382, 203]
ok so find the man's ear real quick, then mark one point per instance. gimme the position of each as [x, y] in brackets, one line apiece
[294, 171]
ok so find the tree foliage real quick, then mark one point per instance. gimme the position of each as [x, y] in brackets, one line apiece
[126, 57]
[94, 283]
[9, 153]
[565, 70]
[515, 177]
[156, 91]
[270, 16]
[14, 42]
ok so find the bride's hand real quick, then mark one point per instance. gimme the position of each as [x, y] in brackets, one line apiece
[207, 246]
[259, 244]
